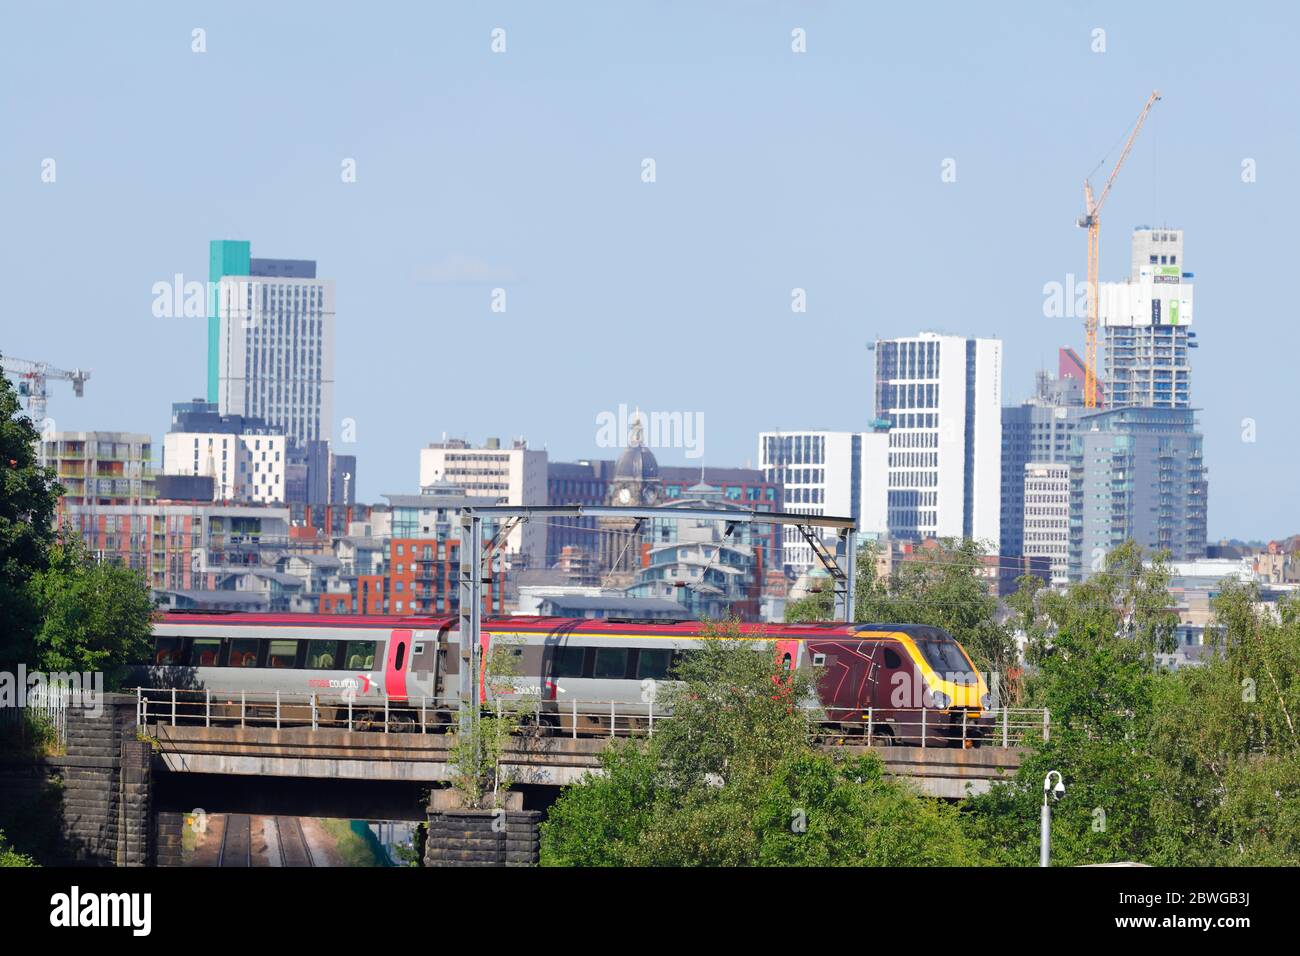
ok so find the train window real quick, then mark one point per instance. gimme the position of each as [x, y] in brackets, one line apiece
[819, 660]
[892, 660]
[282, 654]
[567, 661]
[400, 657]
[205, 651]
[167, 652]
[611, 663]
[322, 655]
[654, 664]
[243, 652]
[360, 655]
[947, 659]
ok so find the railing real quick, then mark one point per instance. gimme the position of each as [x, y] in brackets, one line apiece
[43, 704]
[927, 727]
[909, 726]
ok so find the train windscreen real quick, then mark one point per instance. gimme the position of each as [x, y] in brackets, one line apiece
[948, 661]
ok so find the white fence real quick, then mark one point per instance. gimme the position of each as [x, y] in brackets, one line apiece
[43, 706]
[915, 726]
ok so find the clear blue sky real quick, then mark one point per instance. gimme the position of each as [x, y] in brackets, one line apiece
[775, 170]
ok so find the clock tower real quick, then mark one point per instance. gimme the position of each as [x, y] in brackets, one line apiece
[636, 484]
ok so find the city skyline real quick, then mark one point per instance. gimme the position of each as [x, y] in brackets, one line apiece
[774, 175]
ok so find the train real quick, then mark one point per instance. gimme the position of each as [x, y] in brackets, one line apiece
[899, 682]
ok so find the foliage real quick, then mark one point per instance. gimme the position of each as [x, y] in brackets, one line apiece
[94, 616]
[1196, 767]
[818, 605]
[600, 821]
[818, 811]
[353, 848]
[28, 495]
[11, 857]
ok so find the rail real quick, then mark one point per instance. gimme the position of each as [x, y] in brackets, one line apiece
[44, 708]
[911, 726]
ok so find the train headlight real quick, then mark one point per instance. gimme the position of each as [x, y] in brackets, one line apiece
[941, 700]
[985, 701]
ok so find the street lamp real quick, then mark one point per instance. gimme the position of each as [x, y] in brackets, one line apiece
[1056, 793]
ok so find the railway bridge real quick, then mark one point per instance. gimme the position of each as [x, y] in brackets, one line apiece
[292, 737]
[122, 785]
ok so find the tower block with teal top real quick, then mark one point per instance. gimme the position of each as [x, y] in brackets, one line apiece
[226, 257]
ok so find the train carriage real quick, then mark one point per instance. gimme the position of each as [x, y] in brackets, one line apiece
[902, 681]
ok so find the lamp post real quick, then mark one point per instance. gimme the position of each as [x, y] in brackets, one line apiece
[1055, 793]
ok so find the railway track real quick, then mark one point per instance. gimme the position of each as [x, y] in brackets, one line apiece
[294, 850]
[236, 842]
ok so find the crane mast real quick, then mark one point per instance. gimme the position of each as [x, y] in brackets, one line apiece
[1091, 220]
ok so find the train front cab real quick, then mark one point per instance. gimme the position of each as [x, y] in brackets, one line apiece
[885, 677]
[947, 685]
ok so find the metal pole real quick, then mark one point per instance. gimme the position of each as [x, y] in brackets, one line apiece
[471, 587]
[1006, 735]
[612, 717]
[173, 706]
[1045, 823]
[241, 708]
[1047, 726]
[850, 566]
[575, 718]
[207, 707]
[277, 710]
[1045, 834]
[922, 726]
[871, 719]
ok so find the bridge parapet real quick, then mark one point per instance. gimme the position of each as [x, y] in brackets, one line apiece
[536, 759]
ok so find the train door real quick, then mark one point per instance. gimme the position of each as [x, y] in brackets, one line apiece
[424, 663]
[395, 663]
[891, 692]
[787, 659]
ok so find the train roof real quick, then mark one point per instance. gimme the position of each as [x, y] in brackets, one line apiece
[527, 622]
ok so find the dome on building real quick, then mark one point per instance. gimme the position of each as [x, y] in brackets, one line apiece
[637, 463]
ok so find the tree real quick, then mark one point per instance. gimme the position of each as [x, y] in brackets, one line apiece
[600, 821]
[94, 616]
[819, 811]
[819, 605]
[28, 495]
[1096, 676]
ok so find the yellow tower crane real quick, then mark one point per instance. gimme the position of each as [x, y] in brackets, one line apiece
[1091, 220]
